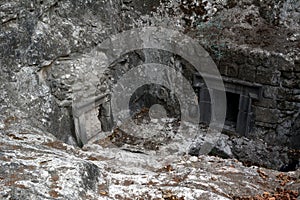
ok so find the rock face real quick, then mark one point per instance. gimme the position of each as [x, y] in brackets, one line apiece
[45, 47]
[35, 165]
[33, 37]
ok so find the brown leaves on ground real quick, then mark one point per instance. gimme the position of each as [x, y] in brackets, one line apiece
[44, 162]
[53, 194]
[54, 186]
[97, 158]
[167, 168]
[11, 180]
[5, 158]
[128, 182]
[120, 137]
[262, 174]
[167, 195]
[56, 145]
[143, 114]
[284, 179]
[103, 189]
[10, 120]
[279, 194]
[13, 136]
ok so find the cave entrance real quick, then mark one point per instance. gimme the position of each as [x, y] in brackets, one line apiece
[152, 94]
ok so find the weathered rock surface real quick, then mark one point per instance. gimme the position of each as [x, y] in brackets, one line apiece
[35, 165]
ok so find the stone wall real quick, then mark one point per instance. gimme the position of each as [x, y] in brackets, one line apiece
[276, 112]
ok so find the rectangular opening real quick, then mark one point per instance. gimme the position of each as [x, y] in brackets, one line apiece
[232, 112]
[239, 95]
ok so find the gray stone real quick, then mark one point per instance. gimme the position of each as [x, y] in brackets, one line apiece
[286, 105]
[266, 115]
[232, 70]
[267, 76]
[295, 133]
[284, 129]
[297, 65]
[285, 94]
[296, 91]
[247, 73]
[266, 103]
[281, 63]
[264, 125]
[261, 151]
[296, 98]
[193, 159]
[297, 75]
[223, 69]
[270, 92]
[287, 75]
[294, 83]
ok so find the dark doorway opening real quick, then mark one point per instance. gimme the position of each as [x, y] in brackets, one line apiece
[232, 112]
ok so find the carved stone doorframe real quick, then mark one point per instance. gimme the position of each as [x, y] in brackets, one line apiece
[247, 92]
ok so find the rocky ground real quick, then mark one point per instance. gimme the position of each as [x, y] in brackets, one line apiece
[35, 165]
